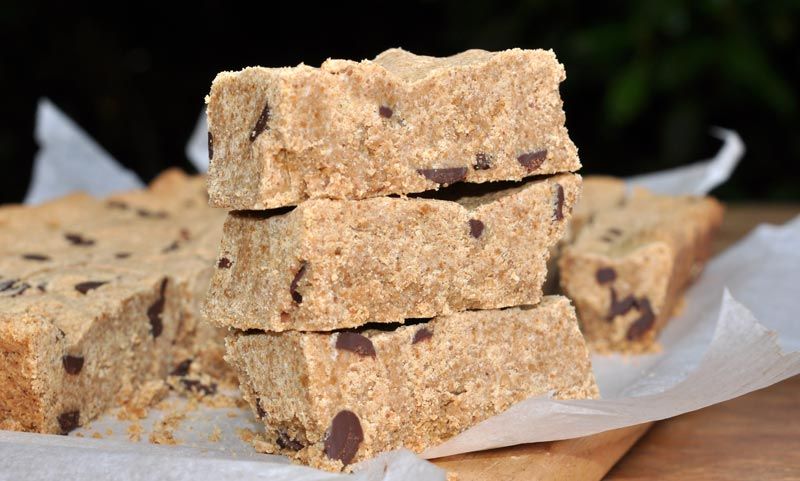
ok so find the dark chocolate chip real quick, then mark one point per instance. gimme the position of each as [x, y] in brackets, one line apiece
[122, 255]
[422, 335]
[344, 437]
[78, 240]
[210, 146]
[645, 321]
[42, 287]
[605, 275]
[68, 421]
[72, 364]
[261, 413]
[198, 387]
[261, 123]
[117, 204]
[36, 257]
[620, 307]
[355, 342]
[225, 263]
[284, 441]
[532, 160]
[155, 311]
[298, 298]
[475, 228]
[482, 161]
[446, 175]
[84, 287]
[385, 112]
[559, 211]
[182, 369]
[150, 214]
[172, 247]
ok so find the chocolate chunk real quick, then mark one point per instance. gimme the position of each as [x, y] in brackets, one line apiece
[482, 161]
[620, 307]
[117, 204]
[78, 240]
[68, 421]
[385, 112]
[261, 123]
[84, 287]
[261, 413]
[198, 387]
[344, 436]
[36, 257]
[422, 335]
[225, 263]
[643, 324]
[155, 311]
[72, 364]
[559, 211]
[182, 369]
[7, 285]
[149, 214]
[475, 228]
[355, 342]
[210, 146]
[284, 441]
[298, 298]
[605, 275]
[122, 255]
[172, 247]
[447, 175]
[532, 160]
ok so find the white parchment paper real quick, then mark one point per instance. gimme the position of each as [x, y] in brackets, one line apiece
[738, 332]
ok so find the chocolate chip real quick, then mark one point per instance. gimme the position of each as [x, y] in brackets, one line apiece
[385, 112]
[475, 228]
[532, 160]
[298, 298]
[344, 436]
[117, 204]
[261, 123]
[620, 307]
[155, 311]
[643, 324]
[422, 335]
[6, 285]
[78, 240]
[605, 275]
[261, 413]
[284, 441]
[355, 342]
[72, 364]
[84, 287]
[172, 247]
[210, 146]
[36, 257]
[225, 263]
[482, 161]
[68, 421]
[182, 369]
[447, 175]
[198, 387]
[150, 214]
[122, 255]
[559, 211]
[42, 287]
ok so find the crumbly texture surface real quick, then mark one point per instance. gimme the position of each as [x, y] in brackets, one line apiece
[629, 266]
[101, 299]
[332, 264]
[400, 123]
[332, 399]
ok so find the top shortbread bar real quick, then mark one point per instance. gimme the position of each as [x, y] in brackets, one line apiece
[398, 124]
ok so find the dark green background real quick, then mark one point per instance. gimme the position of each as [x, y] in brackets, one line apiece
[645, 81]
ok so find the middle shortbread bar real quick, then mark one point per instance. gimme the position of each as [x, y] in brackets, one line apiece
[332, 264]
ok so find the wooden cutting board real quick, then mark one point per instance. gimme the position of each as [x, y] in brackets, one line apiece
[591, 457]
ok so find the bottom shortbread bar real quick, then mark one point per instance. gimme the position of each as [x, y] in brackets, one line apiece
[629, 266]
[332, 399]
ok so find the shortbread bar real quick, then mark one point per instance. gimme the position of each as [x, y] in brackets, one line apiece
[332, 399]
[629, 265]
[400, 123]
[332, 264]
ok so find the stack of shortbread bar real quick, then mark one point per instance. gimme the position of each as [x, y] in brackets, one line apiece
[383, 290]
